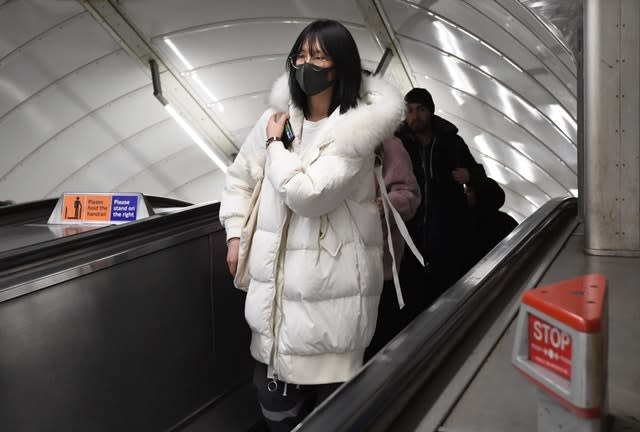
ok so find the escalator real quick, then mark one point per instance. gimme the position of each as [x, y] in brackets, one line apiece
[137, 327]
[124, 327]
[413, 383]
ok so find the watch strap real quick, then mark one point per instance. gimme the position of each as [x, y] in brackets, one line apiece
[271, 139]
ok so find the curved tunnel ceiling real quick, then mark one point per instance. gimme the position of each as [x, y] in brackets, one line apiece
[77, 111]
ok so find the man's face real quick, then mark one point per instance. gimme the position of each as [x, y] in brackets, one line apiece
[418, 117]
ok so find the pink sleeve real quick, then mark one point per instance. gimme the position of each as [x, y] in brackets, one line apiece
[401, 184]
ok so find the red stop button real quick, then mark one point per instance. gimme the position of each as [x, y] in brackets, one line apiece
[549, 347]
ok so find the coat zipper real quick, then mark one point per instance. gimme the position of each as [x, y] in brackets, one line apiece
[428, 176]
[276, 321]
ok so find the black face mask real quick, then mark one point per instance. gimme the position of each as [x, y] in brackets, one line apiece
[312, 79]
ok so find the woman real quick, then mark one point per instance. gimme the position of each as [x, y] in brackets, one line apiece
[315, 260]
[404, 195]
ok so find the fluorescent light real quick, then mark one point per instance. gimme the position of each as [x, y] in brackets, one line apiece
[182, 122]
[196, 138]
[177, 52]
[205, 89]
[194, 75]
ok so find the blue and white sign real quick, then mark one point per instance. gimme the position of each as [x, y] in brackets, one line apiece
[124, 207]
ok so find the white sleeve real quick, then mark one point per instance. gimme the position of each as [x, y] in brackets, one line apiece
[315, 189]
[242, 176]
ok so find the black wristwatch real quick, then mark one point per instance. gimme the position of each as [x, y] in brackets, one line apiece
[270, 140]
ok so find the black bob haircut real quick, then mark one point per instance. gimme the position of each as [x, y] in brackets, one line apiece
[336, 41]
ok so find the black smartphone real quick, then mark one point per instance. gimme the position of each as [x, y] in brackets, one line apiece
[287, 135]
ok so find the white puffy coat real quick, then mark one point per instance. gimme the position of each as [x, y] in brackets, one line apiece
[316, 258]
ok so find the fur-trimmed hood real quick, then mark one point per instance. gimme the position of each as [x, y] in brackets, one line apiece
[380, 111]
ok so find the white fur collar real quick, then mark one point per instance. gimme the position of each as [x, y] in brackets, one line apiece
[360, 130]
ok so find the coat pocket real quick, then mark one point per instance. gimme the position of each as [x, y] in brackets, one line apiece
[328, 238]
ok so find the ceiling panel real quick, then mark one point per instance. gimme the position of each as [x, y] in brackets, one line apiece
[503, 136]
[436, 65]
[169, 174]
[193, 190]
[48, 113]
[418, 26]
[490, 146]
[524, 29]
[80, 143]
[32, 18]
[77, 111]
[494, 117]
[119, 163]
[553, 21]
[154, 18]
[36, 116]
[517, 204]
[30, 67]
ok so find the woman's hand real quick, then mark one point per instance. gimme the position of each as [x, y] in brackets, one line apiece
[233, 247]
[275, 126]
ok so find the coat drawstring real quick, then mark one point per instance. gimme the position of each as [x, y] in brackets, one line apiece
[388, 208]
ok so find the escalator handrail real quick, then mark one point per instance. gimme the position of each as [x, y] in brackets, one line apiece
[103, 238]
[26, 212]
[393, 372]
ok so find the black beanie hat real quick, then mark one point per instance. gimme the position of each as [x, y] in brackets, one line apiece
[421, 96]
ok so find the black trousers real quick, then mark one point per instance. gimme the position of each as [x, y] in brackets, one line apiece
[285, 405]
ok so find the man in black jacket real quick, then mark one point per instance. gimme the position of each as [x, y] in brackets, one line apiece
[443, 166]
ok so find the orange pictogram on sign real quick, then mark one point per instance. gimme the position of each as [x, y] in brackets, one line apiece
[88, 208]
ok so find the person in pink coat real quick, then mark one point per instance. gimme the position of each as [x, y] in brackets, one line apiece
[404, 195]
